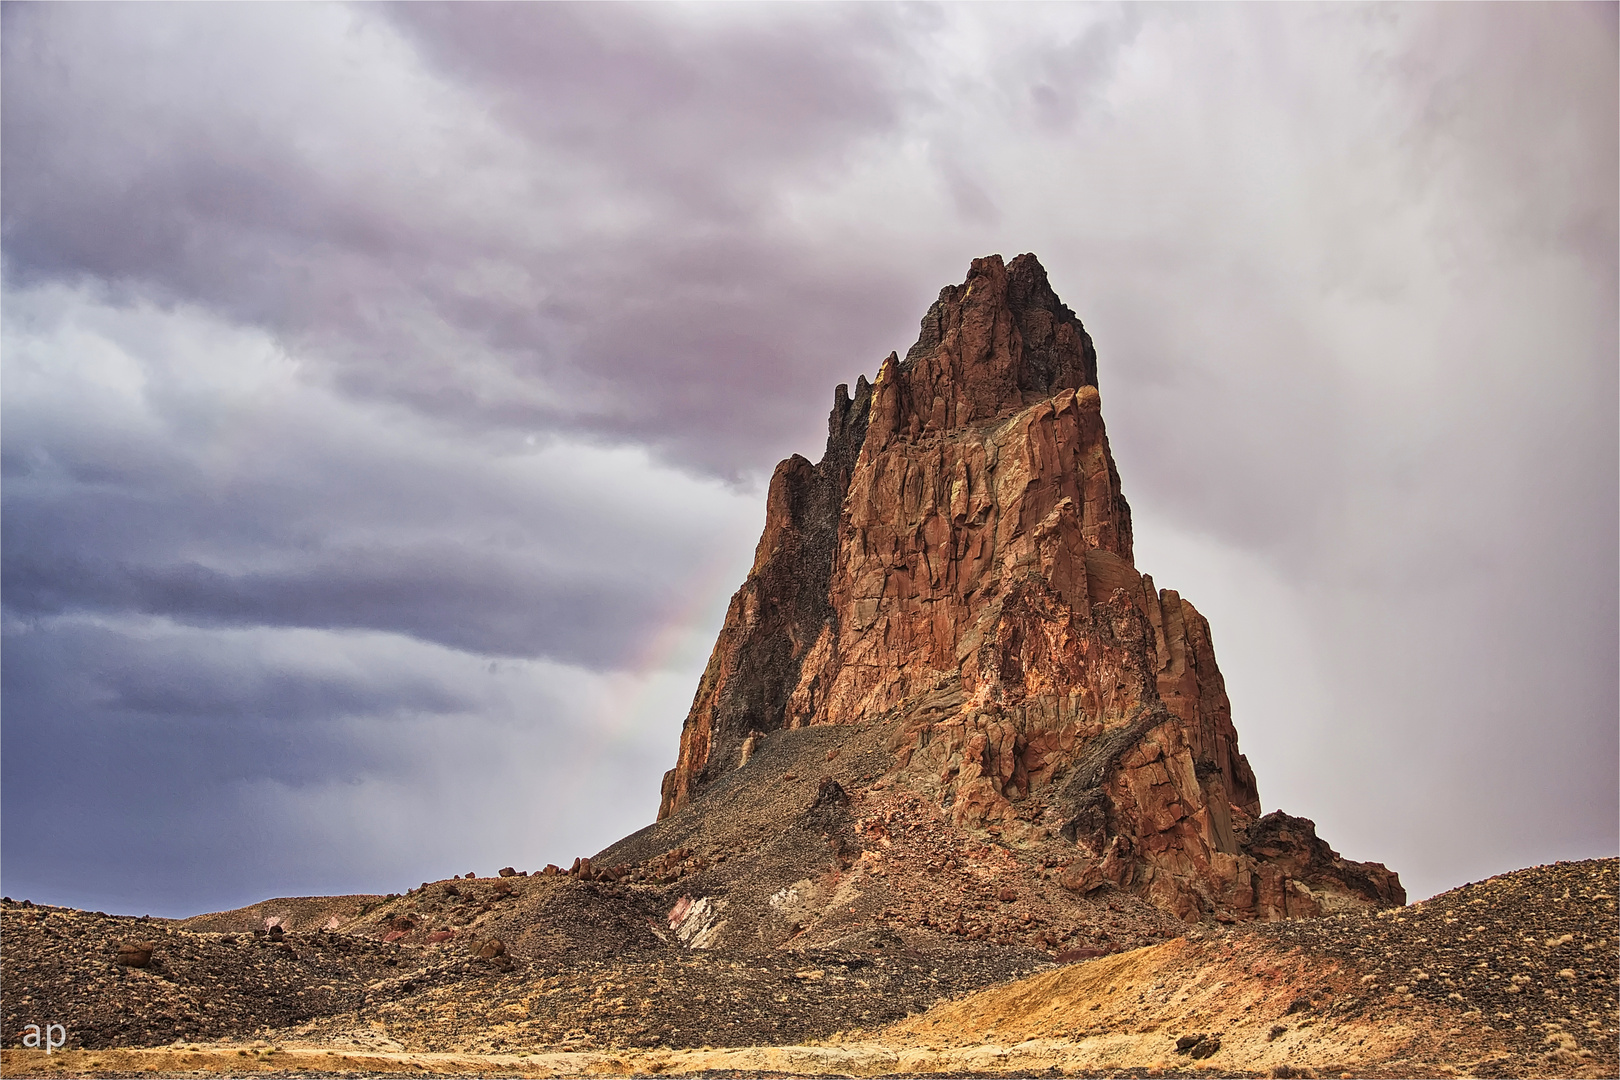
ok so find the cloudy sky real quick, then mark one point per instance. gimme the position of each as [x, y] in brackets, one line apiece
[388, 395]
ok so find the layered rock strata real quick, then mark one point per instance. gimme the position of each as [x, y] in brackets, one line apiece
[959, 567]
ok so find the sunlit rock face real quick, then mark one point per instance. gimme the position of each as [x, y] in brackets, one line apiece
[959, 568]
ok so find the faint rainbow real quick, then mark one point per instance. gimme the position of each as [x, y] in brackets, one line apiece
[715, 578]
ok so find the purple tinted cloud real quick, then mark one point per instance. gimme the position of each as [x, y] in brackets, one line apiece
[352, 351]
[645, 326]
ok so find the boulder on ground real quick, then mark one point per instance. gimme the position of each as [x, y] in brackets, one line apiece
[136, 954]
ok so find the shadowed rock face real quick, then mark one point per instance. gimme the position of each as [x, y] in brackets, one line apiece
[959, 569]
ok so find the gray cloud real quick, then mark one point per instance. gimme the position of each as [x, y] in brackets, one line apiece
[431, 337]
[493, 610]
[598, 260]
[699, 116]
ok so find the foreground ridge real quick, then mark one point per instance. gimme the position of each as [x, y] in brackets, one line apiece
[958, 571]
[1514, 976]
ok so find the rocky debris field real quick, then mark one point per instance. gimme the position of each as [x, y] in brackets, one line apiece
[535, 917]
[801, 848]
[1345, 995]
[62, 966]
[696, 999]
[1514, 976]
[1531, 956]
[935, 877]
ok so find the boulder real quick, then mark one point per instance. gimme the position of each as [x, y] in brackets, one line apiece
[136, 954]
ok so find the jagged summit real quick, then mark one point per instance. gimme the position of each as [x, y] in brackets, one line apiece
[957, 571]
[998, 342]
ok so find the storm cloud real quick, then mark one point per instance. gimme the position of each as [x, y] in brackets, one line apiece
[389, 390]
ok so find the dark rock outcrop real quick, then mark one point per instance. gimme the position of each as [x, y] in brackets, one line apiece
[959, 567]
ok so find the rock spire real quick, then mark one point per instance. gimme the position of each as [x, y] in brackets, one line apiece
[958, 568]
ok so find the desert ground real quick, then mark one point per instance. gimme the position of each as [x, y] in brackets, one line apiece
[1514, 976]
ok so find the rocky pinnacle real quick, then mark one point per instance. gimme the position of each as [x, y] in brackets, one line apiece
[958, 567]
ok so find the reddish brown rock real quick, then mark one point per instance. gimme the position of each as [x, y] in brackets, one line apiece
[136, 954]
[959, 566]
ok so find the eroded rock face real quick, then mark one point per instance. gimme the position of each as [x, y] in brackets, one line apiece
[959, 566]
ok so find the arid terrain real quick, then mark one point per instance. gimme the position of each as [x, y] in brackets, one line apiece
[959, 793]
[1515, 976]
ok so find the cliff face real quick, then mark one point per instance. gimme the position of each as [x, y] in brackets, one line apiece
[959, 568]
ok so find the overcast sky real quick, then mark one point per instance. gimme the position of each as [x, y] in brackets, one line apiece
[389, 394]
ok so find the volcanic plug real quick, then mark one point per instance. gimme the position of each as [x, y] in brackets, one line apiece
[958, 570]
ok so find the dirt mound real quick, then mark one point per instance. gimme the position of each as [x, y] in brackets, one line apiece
[1511, 976]
[288, 912]
[61, 966]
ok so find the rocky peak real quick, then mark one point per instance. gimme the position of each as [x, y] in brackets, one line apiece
[998, 342]
[958, 571]
[1004, 337]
